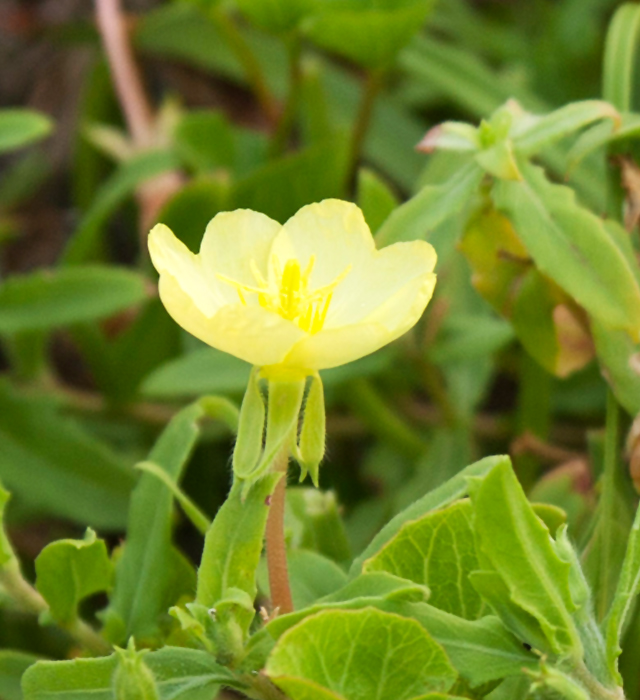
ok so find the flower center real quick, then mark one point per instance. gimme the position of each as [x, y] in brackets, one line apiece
[291, 297]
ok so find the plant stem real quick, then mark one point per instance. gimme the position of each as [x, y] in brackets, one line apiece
[252, 68]
[124, 70]
[371, 88]
[281, 599]
[28, 600]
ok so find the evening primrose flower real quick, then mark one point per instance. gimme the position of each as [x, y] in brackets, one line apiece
[311, 294]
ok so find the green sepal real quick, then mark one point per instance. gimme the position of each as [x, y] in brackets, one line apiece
[283, 409]
[132, 679]
[310, 448]
[248, 447]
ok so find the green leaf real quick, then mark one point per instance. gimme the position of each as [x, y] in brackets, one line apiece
[20, 127]
[368, 32]
[438, 551]
[48, 299]
[53, 465]
[277, 16]
[364, 654]
[517, 544]
[311, 575]
[13, 665]
[205, 140]
[430, 207]
[233, 545]
[375, 198]
[628, 587]
[191, 510]
[67, 571]
[499, 160]
[180, 674]
[620, 360]
[621, 50]
[281, 187]
[110, 196]
[538, 132]
[572, 246]
[143, 570]
[316, 523]
[450, 491]
[202, 371]
[6, 550]
[481, 650]
[602, 135]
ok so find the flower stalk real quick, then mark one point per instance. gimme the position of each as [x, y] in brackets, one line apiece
[281, 598]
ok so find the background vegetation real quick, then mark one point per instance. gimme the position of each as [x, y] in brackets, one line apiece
[271, 105]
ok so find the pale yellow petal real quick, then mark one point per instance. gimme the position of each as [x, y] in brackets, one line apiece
[237, 242]
[333, 231]
[249, 332]
[390, 270]
[338, 346]
[171, 256]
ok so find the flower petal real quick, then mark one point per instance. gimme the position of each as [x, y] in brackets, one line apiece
[249, 332]
[171, 256]
[331, 348]
[333, 231]
[233, 240]
[388, 271]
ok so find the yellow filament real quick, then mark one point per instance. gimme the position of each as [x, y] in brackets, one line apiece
[292, 299]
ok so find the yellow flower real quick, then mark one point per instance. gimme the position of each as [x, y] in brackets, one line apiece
[309, 295]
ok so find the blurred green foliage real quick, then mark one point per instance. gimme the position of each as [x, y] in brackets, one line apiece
[525, 182]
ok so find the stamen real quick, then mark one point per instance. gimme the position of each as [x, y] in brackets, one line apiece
[292, 299]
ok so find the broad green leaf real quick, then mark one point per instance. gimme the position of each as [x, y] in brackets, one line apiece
[572, 246]
[56, 467]
[202, 371]
[430, 207]
[375, 198]
[143, 570]
[277, 16]
[628, 587]
[233, 545]
[450, 491]
[537, 132]
[85, 241]
[13, 665]
[189, 211]
[620, 360]
[53, 298]
[369, 33]
[67, 571]
[518, 545]
[481, 650]
[364, 654]
[438, 551]
[20, 127]
[180, 674]
[621, 50]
